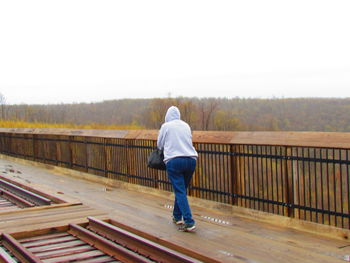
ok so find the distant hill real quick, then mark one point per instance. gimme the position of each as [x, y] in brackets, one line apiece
[303, 114]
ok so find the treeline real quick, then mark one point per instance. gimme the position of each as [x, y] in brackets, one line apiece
[237, 114]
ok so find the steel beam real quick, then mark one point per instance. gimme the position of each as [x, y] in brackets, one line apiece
[20, 202]
[106, 246]
[144, 246]
[19, 251]
[34, 198]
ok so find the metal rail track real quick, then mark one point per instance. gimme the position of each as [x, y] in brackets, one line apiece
[13, 196]
[4, 202]
[94, 242]
[20, 196]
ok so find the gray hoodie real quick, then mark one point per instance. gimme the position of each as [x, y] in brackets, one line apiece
[175, 137]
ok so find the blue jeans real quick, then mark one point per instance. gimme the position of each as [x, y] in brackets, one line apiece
[180, 171]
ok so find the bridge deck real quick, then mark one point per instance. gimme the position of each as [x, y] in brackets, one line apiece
[225, 237]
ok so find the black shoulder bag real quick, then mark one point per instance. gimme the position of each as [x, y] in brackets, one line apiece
[155, 160]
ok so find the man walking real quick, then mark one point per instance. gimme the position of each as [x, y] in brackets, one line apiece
[180, 157]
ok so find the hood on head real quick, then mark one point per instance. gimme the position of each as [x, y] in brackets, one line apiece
[173, 113]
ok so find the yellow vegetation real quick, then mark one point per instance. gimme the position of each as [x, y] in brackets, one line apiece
[23, 124]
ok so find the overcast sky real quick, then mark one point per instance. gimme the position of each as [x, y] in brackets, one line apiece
[84, 51]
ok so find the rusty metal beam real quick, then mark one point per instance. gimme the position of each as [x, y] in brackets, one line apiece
[20, 202]
[105, 245]
[143, 246]
[192, 253]
[19, 251]
[5, 257]
[34, 198]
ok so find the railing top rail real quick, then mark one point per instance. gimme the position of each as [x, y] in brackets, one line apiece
[304, 139]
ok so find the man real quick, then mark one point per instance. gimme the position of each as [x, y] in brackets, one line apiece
[180, 157]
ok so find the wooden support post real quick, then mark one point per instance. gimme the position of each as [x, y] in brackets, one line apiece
[71, 158]
[86, 155]
[33, 147]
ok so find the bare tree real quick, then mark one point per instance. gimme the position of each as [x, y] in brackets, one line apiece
[188, 110]
[157, 110]
[206, 109]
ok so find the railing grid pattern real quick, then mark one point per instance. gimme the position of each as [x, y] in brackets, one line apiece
[307, 183]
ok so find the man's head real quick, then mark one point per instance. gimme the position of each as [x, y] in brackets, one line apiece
[173, 113]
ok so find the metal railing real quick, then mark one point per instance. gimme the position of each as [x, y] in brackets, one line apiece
[305, 182]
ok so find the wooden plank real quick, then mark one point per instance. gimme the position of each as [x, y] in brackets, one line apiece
[72, 132]
[50, 241]
[101, 259]
[51, 222]
[60, 252]
[132, 134]
[315, 139]
[43, 229]
[10, 213]
[311, 139]
[75, 257]
[212, 137]
[293, 238]
[29, 221]
[52, 217]
[41, 237]
[40, 211]
[52, 247]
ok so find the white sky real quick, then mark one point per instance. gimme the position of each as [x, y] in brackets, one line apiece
[83, 51]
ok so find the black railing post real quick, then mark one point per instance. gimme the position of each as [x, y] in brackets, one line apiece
[234, 175]
[289, 191]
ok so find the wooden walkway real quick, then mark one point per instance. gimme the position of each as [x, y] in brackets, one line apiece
[221, 235]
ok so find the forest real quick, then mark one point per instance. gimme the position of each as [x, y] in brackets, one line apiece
[224, 114]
